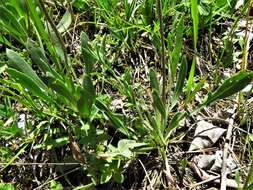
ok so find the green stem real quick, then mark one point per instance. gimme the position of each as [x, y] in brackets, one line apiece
[159, 11]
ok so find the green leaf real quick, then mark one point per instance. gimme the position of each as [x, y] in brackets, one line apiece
[65, 22]
[196, 88]
[62, 90]
[88, 55]
[115, 119]
[3, 68]
[203, 9]
[81, 5]
[230, 86]
[119, 177]
[158, 103]
[10, 23]
[20, 64]
[42, 35]
[106, 175]
[39, 58]
[227, 58]
[31, 6]
[125, 147]
[84, 40]
[9, 132]
[177, 50]
[131, 144]
[29, 83]
[195, 18]
[250, 137]
[3, 40]
[59, 142]
[88, 95]
[55, 185]
[154, 81]
[57, 45]
[118, 124]
[148, 12]
[180, 81]
[174, 123]
[190, 81]
[6, 186]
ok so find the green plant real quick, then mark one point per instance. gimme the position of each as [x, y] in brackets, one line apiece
[6, 186]
[76, 109]
[54, 185]
[156, 126]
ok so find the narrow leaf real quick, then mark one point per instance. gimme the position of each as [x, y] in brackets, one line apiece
[62, 90]
[87, 53]
[231, 86]
[195, 18]
[154, 81]
[29, 83]
[65, 22]
[190, 81]
[20, 64]
[177, 49]
[87, 98]
[158, 103]
[115, 119]
[38, 57]
[181, 78]
[174, 123]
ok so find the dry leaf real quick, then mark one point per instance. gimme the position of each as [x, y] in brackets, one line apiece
[206, 134]
[76, 150]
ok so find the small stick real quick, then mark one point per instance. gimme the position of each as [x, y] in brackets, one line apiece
[146, 173]
[225, 151]
[212, 178]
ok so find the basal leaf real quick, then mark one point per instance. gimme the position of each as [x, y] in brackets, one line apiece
[62, 90]
[87, 53]
[17, 62]
[158, 103]
[87, 98]
[174, 123]
[84, 40]
[29, 83]
[180, 80]
[38, 57]
[154, 81]
[9, 19]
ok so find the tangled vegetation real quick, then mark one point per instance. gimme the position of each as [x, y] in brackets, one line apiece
[107, 94]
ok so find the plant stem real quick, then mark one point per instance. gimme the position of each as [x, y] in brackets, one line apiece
[58, 35]
[246, 40]
[166, 164]
[162, 58]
